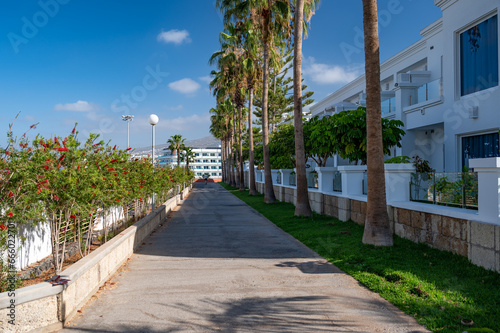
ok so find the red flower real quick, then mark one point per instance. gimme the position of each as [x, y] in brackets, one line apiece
[129, 149]
[103, 178]
[63, 149]
[141, 186]
[56, 197]
[78, 167]
[117, 199]
[62, 157]
[10, 214]
[114, 147]
[33, 126]
[46, 167]
[111, 169]
[113, 160]
[11, 194]
[143, 181]
[3, 227]
[74, 130]
[73, 216]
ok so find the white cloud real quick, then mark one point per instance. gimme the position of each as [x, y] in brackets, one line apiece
[187, 123]
[29, 119]
[174, 36]
[206, 79]
[79, 106]
[329, 74]
[174, 108]
[185, 86]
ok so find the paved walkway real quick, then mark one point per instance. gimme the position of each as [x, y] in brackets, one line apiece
[219, 266]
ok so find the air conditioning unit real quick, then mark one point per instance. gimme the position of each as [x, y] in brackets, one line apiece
[474, 112]
[404, 78]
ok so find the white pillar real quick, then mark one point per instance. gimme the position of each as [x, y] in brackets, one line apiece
[352, 179]
[325, 178]
[488, 170]
[397, 181]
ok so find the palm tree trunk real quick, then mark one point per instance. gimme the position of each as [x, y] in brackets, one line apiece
[222, 162]
[268, 181]
[302, 208]
[251, 176]
[377, 227]
[273, 119]
[231, 167]
[242, 175]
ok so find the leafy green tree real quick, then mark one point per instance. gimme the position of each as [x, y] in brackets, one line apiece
[349, 131]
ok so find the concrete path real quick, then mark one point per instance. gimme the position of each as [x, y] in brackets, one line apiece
[219, 266]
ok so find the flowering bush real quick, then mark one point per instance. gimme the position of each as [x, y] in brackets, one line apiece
[69, 183]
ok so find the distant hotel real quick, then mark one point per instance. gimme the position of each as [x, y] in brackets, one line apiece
[207, 157]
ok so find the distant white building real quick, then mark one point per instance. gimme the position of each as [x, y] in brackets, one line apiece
[443, 87]
[207, 157]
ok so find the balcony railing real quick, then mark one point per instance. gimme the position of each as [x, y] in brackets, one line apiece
[389, 106]
[364, 183]
[427, 92]
[312, 180]
[337, 181]
[446, 189]
[292, 180]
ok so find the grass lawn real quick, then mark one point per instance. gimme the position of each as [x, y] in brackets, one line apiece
[441, 290]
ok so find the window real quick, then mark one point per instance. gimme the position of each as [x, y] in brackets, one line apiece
[479, 146]
[479, 57]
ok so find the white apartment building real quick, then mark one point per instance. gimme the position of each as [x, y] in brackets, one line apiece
[443, 87]
[207, 157]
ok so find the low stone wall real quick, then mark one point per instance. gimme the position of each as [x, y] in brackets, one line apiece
[44, 308]
[441, 229]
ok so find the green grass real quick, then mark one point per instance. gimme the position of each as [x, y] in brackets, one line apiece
[438, 288]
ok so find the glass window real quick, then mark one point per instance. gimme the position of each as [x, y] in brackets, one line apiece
[479, 146]
[479, 57]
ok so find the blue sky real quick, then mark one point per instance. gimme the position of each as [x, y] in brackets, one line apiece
[67, 61]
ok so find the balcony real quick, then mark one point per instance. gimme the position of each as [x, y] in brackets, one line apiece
[389, 106]
[427, 92]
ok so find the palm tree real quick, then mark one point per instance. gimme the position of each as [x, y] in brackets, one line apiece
[252, 74]
[175, 143]
[187, 155]
[221, 128]
[302, 208]
[271, 18]
[377, 228]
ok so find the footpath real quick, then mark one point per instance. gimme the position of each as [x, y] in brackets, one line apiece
[216, 265]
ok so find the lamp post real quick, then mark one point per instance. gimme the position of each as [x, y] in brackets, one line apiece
[153, 120]
[128, 119]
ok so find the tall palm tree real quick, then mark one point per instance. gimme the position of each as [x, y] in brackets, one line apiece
[175, 143]
[187, 154]
[252, 73]
[377, 228]
[271, 18]
[302, 208]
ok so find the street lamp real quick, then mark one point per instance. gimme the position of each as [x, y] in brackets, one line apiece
[128, 119]
[153, 120]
